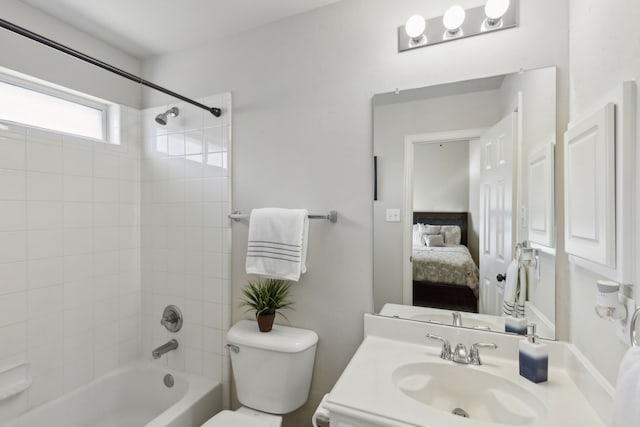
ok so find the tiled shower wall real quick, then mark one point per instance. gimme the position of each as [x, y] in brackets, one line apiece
[186, 235]
[69, 256]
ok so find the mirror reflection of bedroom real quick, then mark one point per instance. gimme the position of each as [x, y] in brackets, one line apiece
[464, 216]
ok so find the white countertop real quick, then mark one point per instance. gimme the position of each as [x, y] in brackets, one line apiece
[366, 388]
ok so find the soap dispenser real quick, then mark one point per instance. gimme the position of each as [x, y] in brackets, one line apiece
[534, 357]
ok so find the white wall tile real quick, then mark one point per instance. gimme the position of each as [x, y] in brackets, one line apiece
[44, 272]
[44, 243]
[44, 157]
[176, 144]
[12, 153]
[70, 255]
[13, 277]
[105, 214]
[105, 190]
[78, 214]
[13, 308]
[78, 189]
[78, 294]
[47, 331]
[45, 301]
[13, 247]
[78, 161]
[13, 215]
[105, 239]
[13, 184]
[105, 165]
[13, 339]
[44, 215]
[78, 267]
[78, 241]
[44, 186]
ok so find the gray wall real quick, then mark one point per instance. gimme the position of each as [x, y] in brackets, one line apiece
[25, 56]
[303, 129]
[441, 177]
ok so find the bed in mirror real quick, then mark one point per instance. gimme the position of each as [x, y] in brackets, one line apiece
[464, 218]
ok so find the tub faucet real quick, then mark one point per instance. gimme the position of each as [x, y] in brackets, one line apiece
[164, 348]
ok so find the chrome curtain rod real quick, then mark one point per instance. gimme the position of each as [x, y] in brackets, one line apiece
[86, 58]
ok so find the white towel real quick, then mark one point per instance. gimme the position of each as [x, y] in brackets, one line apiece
[627, 410]
[277, 244]
[510, 289]
[523, 282]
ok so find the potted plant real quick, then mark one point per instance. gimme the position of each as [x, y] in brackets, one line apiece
[266, 298]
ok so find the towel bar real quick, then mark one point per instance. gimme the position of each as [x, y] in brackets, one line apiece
[332, 216]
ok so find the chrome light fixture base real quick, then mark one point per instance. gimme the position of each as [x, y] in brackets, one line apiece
[476, 23]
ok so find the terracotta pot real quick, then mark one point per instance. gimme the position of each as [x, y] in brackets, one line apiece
[265, 322]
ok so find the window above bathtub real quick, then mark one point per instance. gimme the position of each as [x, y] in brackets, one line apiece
[36, 103]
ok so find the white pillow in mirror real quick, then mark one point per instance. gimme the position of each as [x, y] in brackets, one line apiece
[452, 234]
[433, 240]
[417, 234]
[432, 229]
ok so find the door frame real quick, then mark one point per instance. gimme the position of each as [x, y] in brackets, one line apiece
[407, 205]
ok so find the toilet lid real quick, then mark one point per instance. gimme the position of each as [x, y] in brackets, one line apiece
[234, 419]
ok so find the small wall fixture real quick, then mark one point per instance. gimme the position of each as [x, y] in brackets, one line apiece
[607, 305]
[458, 23]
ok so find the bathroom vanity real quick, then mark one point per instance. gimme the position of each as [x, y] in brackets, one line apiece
[398, 378]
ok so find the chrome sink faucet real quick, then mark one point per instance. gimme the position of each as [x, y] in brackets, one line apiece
[460, 354]
[446, 347]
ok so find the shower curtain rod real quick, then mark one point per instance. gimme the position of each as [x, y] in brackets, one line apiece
[86, 58]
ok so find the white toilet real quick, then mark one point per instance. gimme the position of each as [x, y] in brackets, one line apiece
[272, 373]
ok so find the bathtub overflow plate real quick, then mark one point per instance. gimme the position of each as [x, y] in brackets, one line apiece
[169, 381]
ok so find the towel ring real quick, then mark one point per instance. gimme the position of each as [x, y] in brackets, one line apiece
[632, 329]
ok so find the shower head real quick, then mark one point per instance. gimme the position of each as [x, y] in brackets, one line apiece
[162, 118]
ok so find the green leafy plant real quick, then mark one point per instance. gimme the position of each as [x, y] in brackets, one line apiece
[267, 297]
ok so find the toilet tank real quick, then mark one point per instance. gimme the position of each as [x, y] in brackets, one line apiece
[272, 370]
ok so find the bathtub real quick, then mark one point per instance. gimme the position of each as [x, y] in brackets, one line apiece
[134, 396]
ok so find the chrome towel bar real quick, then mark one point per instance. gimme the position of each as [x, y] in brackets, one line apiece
[332, 216]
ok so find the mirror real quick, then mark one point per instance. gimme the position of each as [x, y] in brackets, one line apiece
[464, 218]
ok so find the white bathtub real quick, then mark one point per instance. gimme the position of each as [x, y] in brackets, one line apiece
[134, 396]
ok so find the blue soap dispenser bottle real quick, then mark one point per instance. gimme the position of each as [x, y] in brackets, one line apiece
[534, 357]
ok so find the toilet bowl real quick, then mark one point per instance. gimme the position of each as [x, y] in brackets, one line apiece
[272, 373]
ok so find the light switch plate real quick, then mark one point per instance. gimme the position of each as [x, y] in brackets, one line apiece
[393, 215]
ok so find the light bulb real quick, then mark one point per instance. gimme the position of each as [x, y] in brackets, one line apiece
[415, 27]
[453, 18]
[495, 9]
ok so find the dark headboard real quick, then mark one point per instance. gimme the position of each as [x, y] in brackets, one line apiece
[460, 219]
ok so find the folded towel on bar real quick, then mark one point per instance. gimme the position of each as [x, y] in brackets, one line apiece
[277, 246]
[627, 410]
[511, 289]
[523, 283]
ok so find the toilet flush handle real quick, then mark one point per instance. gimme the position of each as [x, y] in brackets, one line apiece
[234, 348]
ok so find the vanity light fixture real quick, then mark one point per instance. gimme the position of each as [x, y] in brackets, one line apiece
[495, 10]
[414, 28]
[458, 23]
[452, 20]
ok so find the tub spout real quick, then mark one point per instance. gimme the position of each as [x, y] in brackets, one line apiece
[164, 348]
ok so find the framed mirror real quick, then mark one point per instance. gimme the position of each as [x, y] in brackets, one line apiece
[464, 216]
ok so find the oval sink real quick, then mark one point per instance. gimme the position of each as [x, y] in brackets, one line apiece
[462, 390]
